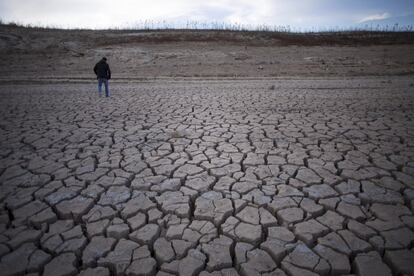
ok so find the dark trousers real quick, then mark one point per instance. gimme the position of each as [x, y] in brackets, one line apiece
[106, 83]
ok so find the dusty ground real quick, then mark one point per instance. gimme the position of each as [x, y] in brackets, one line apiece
[305, 174]
[51, 54]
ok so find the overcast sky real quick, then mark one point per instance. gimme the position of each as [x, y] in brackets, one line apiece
[127, 13]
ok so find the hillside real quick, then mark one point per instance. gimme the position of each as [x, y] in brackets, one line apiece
[35, 53]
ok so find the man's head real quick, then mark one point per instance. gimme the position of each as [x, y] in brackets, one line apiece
[104, 58]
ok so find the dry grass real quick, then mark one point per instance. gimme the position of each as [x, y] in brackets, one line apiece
[236, 34]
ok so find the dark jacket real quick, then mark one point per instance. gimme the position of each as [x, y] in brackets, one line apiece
[102, 70]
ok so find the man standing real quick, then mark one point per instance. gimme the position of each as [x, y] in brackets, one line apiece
[103, 73]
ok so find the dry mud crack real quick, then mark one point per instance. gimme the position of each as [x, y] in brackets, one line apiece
[311, 177]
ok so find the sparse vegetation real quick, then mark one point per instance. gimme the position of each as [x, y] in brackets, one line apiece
[224, 26]
[151, 25]
[263, 35]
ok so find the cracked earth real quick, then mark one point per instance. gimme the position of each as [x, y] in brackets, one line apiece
[284, 177]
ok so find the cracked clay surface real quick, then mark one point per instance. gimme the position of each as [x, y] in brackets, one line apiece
[311, 177]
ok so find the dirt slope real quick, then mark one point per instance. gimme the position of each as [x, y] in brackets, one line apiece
[29, 53]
